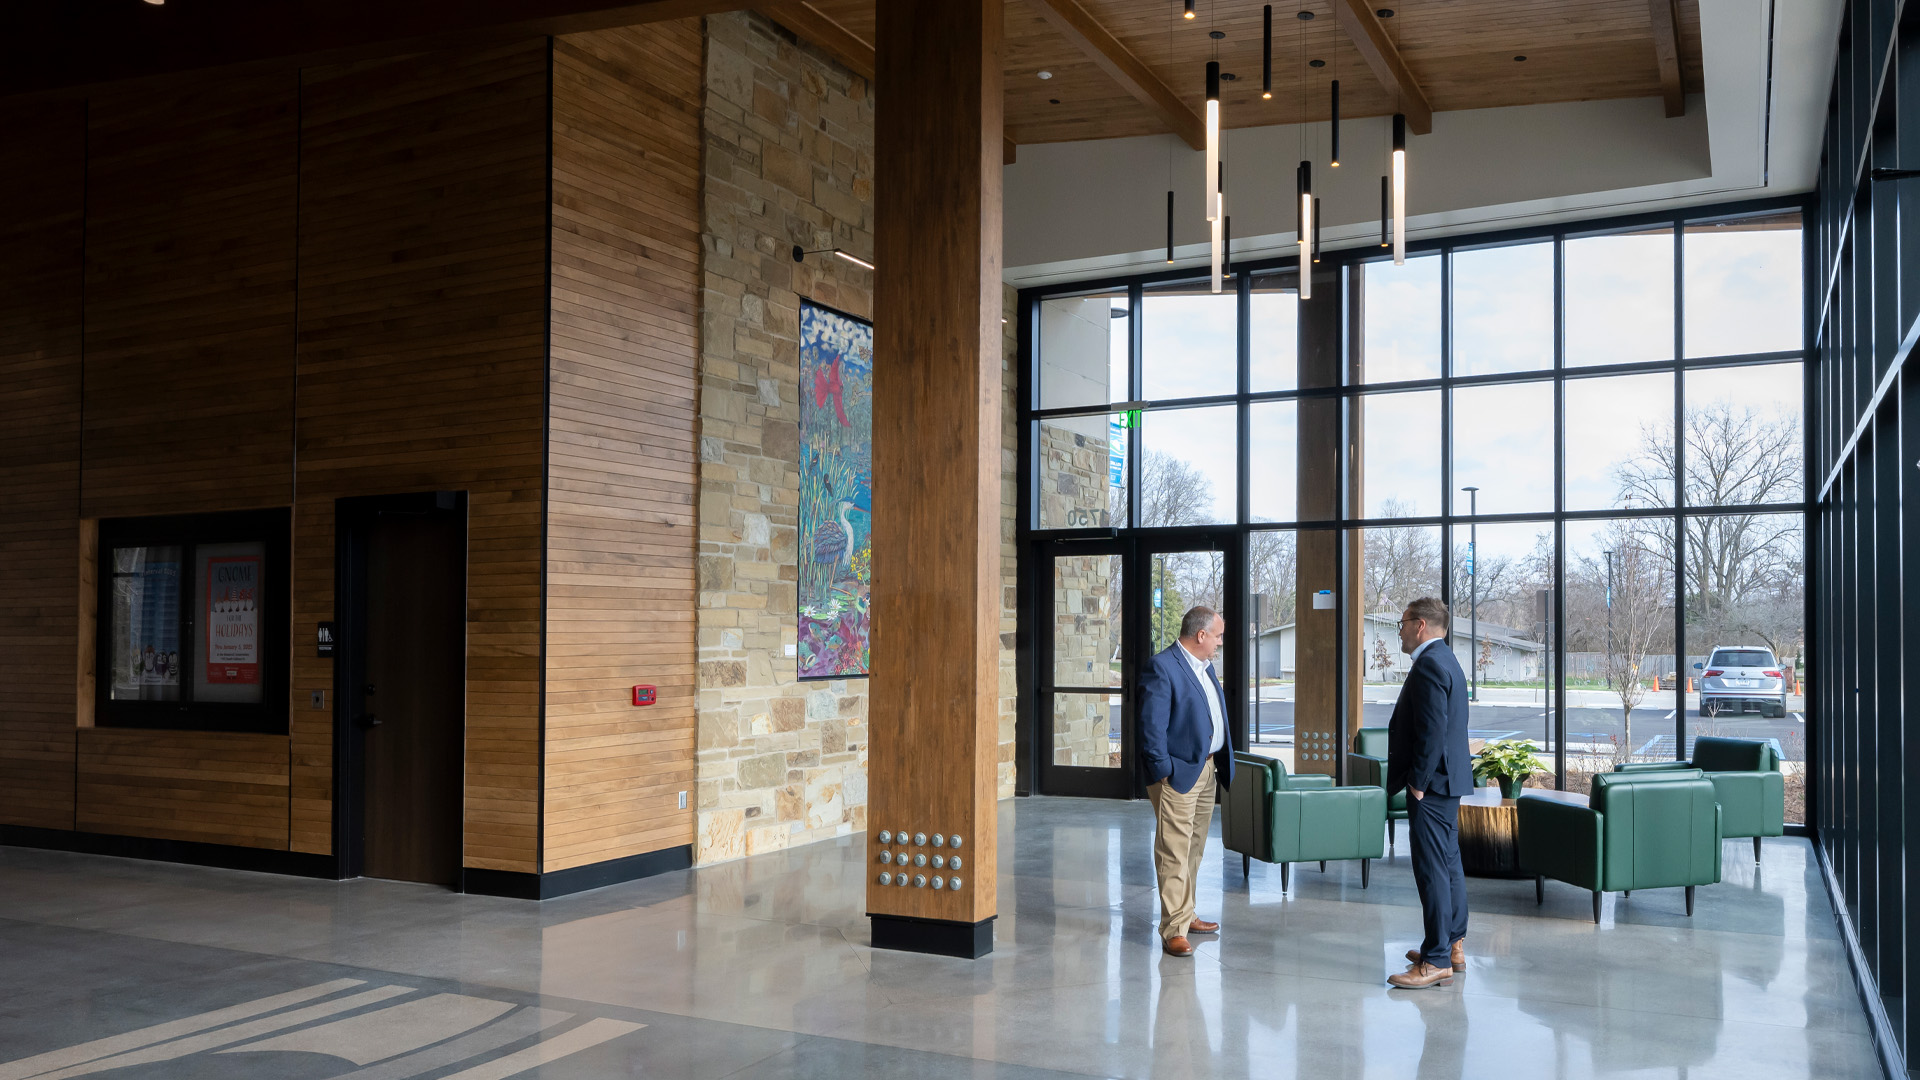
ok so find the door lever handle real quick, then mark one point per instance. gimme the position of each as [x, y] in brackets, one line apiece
[369, 720]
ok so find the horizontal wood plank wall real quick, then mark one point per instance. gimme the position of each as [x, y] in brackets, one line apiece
[422, 366]
[189, 310]
[42, 189]
[215, 787]
[622, 454]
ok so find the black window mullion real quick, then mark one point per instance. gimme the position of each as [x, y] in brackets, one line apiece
[1557, 607]
[1679, 490]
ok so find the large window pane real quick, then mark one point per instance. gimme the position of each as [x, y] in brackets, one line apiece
[1083, 472]
[1272, 579]
[1176, 582]
[1400, 453]
[1503, 445]
[1083, 350]
[1743, 435]
[1620, 442]
[1398, 565]
[1088, 591]
[1190, 342]
[1503, 309]
[1189, 467]
[1273, 460]
[1746, 606]
[1620, 298]
[1501, 633]
[1620, 656]
[1743, 289]
[1400, 337]
[1086, 730]
[1273, 342]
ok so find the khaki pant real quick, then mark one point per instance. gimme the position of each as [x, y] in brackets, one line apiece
[1179, 839]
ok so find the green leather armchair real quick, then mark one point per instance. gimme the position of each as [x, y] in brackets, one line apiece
[1368, 765]
[1276, 817]
[1649, 830]
[1746, 780]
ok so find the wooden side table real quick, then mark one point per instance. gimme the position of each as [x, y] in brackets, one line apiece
[1490, 830]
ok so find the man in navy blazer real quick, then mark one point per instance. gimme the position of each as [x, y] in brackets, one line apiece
[1184, 746]
[1427, 755]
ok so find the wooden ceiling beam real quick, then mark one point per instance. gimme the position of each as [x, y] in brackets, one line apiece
[1369, 37]
[1106, 51]
[809, 24]
[1666, 52]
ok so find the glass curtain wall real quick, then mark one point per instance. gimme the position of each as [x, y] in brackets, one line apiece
[1587, 442]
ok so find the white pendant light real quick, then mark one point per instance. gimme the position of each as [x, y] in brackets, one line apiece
[1304, 182]
[1213, 139]
[1399, 188]
[1219, 224]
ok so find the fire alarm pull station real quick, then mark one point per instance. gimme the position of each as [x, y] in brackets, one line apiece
[643, 695]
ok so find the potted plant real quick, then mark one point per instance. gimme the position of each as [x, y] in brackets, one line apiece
[1509, 762]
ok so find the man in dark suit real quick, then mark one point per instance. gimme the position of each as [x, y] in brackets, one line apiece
[1184, 746]
[1427, 755]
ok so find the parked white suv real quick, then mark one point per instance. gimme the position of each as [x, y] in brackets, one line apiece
[1735, 677]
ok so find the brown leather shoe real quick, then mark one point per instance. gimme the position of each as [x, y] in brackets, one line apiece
[1421, 976]
[1202, 926]
[1459, 957]
[1178, 946]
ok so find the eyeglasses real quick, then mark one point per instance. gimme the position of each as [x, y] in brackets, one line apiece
[1404, 620]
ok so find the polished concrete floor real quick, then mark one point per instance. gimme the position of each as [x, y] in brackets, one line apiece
[762, 968]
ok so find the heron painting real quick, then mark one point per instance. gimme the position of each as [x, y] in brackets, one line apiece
[836, 478]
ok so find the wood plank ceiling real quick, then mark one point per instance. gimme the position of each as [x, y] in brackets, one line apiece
[1462, 52]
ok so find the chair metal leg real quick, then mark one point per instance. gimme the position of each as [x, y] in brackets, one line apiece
[1689, 901]
[1323, 866]
[1283, 876]
[1246, 865]
[1756, 851]
[1626, 894]
[1596, 907]
[1365, 865]
[1539, 888]
[1389, 836]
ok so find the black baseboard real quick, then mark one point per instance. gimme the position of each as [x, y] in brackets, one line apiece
[225, 856]
[523, 886]
[941, 937]
[1891, 1059]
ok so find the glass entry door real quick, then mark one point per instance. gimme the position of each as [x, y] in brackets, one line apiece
[1107, 606]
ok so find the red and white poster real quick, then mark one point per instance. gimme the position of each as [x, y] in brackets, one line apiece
[233, 619]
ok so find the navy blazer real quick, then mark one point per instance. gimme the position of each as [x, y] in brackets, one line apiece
[1175, 724]
[1427, 737]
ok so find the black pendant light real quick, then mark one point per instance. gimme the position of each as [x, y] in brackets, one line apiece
[1386, 187]
[1266, 53]
[1189, 12]
[1336, 125]
[1169, 225]
[1316, 230]
[1226, 245]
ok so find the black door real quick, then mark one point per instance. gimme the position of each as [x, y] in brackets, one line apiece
[405, 684]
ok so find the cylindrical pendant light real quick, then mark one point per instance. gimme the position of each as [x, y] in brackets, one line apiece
[1213, 137]
[1316, 229]
[1336, 125]
[1386, 223]
[1189, 12]
[1219, 226]
[1226, 245]
[1399, 188]
[1169, 226]
[1266, 53]
[1304, 182]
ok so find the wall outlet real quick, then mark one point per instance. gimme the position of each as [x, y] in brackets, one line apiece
[319, 699]
[683, 800]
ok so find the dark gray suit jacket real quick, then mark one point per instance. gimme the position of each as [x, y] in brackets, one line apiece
[1427, 737]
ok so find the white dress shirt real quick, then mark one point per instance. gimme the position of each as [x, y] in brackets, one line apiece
[1215, 711]
[1420, 648]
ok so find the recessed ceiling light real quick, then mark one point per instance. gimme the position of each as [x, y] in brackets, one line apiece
[1053, 101]
[1385, 13]
[1227, 76]
[1316, 63]
[1519, 59]
[1305, 16]
[1046, 74]
[1216, 34]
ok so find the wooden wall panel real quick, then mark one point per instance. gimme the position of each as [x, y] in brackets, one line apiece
[422, 366]
[215, 787]
[189, 304]
[41, 187]
[622, 459]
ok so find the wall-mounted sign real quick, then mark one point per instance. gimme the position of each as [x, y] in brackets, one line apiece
[323, 640]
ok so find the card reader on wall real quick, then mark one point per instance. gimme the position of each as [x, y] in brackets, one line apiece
[1323, 600]
[643, 695]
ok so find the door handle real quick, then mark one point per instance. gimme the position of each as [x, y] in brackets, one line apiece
[369, 720]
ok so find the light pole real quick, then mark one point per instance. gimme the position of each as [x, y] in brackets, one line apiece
[1473, 592]
[1609, 555]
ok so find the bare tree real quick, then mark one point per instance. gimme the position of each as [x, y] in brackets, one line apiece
[1641, 613]
[1382, 658]
[1401, 563]
[1172, 492]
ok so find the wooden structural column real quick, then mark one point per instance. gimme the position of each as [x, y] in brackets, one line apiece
[1320, 738]
[936, 474]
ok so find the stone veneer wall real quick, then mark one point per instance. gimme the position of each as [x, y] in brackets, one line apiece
[788, 139]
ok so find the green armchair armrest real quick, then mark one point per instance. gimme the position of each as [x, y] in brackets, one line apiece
[1307, 782]
[1559, 840]
[1651, 766]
